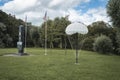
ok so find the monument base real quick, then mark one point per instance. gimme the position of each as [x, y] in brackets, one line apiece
[23, 54]
[16, 54]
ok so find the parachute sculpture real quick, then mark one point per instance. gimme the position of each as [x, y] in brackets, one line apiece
[76, 28]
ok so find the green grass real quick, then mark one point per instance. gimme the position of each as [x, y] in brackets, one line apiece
[58, 66]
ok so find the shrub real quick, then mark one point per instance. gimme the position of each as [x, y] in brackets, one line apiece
[103, 44]
[2, 45]
[88, 43]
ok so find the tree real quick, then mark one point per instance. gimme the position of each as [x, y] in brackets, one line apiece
[50, 31]
[8, 40]
[113, 10]
[55, 32]
[98, 28]
[61, 25]
[2, 34]
[35, 36]
[11, 24]
[88, 43]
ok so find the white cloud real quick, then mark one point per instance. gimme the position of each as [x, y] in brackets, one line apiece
[19, 6]
[55, 2]
[35, 10]
[90, 16]
[65, 4]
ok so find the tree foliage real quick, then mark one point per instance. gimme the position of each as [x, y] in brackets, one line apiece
[55, 32]
[34, 35]
[11, 24]
[113, 10]
[97, 29]
[9, 30]
[56, 36]
[103, 44]
[88, 43]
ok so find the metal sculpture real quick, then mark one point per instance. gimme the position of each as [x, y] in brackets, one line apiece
[76, 28]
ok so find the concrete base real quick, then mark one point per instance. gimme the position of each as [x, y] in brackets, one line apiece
[16, 54]
[23, 54]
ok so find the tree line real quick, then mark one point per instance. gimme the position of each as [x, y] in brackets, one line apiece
[101, 37]
[56, 36]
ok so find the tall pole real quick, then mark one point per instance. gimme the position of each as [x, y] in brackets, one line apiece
[45, 37]
[76, 48]
[45, 21]
[65, 44]
[25, 32]
[66, 17]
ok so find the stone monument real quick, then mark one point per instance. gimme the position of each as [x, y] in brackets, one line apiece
[21, 41]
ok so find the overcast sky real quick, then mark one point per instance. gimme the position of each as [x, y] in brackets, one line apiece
[86, 11]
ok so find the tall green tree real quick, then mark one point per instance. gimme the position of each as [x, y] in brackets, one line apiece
[98, 28]
[34, 33]
[5, 39]
[11, 24]
[55, 32]
[113, 10]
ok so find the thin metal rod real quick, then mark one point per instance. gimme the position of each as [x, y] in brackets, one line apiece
[76, 47]
[65, 44]
[70, 42]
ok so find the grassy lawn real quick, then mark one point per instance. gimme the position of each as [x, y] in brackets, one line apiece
[58, 66]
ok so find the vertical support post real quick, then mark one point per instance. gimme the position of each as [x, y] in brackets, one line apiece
[76, 48]
[46, 37]
[45, 21]
[65, 44]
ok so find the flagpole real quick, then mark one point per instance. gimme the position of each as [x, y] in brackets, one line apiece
[66, 17]
[25, 32]
[46, 37]
[45, 21]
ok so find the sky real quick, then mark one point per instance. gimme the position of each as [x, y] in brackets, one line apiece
[85, 11]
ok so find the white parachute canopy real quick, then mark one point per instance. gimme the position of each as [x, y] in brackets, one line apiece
[76, 28]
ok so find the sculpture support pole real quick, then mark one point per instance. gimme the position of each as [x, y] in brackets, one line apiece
[65, 44]
[76, 47]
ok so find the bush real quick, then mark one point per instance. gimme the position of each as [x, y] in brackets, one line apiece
[88, 43]
[103, 44]
[2, 45]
